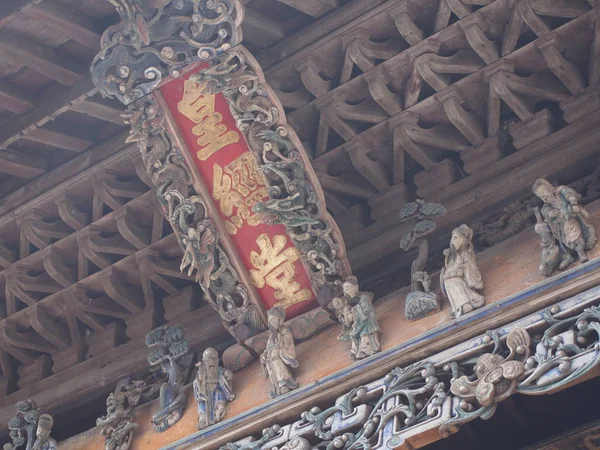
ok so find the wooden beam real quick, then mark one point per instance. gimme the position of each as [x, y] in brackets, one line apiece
[314, 8]
[9, 9]
[83, 166]
[261, 31]
[77, 26]
[22, 166]
[15, 99]
[10, 185]
[53, 101]
[331, 25]
[99, 111]
[58, 139]
[38, 57]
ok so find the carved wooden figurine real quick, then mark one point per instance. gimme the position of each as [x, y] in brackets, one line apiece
[44, 427]
[213, 389]
[359, 321]
[460, 278]
[172, 347]
[565, 222]
[279, 355]
[117, 426]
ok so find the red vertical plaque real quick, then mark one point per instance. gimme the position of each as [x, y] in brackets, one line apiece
[230, 172]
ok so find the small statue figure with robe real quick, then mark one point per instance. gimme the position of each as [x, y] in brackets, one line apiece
[44, 427]
[213, 389]
[460, 278]
[566, 220]
[279, 355]
[359, 321]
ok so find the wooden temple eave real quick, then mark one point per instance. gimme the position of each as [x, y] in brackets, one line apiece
[245, 429]
[392, 100]
[517, 296]
[459, 108]
[81, 238]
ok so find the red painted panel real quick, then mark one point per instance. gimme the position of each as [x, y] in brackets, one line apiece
[229, 171]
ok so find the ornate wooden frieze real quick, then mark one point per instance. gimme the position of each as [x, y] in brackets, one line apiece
[231, 176]
[159, 38]
[203, 257]
[431, 399]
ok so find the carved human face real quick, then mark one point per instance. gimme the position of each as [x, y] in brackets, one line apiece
[42, 433]
[545, 192]
[274, 322]
[457, 241]
[350, 289]
[211, 363]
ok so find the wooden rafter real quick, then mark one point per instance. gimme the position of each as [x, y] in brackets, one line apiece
[58, 139]
[53, 101]
[261, 31]
[19, 165]
[38, 57]
[16, 99]
[78, 27]
[100, 111]
[314, 8]
[9, 9]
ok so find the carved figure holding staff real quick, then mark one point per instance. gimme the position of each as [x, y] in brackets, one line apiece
[279, 355]
[213, 389]
[566, 220]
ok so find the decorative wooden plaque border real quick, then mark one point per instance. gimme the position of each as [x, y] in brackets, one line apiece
[205, 90]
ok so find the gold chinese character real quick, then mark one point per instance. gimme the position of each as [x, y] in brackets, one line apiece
[275, 267]
[240, 186]
[200, 109]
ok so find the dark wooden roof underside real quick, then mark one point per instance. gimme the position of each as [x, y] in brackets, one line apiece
[387, 96]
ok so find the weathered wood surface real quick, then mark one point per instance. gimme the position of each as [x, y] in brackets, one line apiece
[507, 269]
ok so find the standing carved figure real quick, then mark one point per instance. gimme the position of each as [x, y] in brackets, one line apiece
[44, 427]
[359, 321]
[279, 355]
[566, 220]
[172, 347]
[213, 389]
[117, 426]
[460, 278]
[551, 254]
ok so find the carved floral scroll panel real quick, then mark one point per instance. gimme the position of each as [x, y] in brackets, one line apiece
[424, 402]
